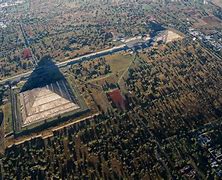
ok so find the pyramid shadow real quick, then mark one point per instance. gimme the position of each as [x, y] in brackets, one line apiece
[46, 72]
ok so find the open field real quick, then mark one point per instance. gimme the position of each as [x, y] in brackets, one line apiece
[100, 98]
[118, 64]
[212, 21]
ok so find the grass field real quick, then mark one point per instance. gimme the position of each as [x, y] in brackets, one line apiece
[147, 7]
[118, 64]
[100, 99]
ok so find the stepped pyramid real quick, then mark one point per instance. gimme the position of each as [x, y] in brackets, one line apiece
[45, 95]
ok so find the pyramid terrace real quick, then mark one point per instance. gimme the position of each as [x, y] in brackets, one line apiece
[46, 102]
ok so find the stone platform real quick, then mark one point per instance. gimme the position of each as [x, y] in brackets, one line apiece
[46, 102]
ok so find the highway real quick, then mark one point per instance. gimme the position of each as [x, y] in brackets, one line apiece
[70, 62]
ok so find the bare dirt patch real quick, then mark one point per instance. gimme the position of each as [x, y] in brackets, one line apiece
[172, 36]
[212, 20]
[218, 3]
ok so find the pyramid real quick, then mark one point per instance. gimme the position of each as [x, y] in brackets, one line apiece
[46, 94]
[45, 73]
[46, 102]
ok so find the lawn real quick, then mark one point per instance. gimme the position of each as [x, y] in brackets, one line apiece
[119, 62]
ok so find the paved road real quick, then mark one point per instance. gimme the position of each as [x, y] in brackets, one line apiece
[71, 61]
[93, 55]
